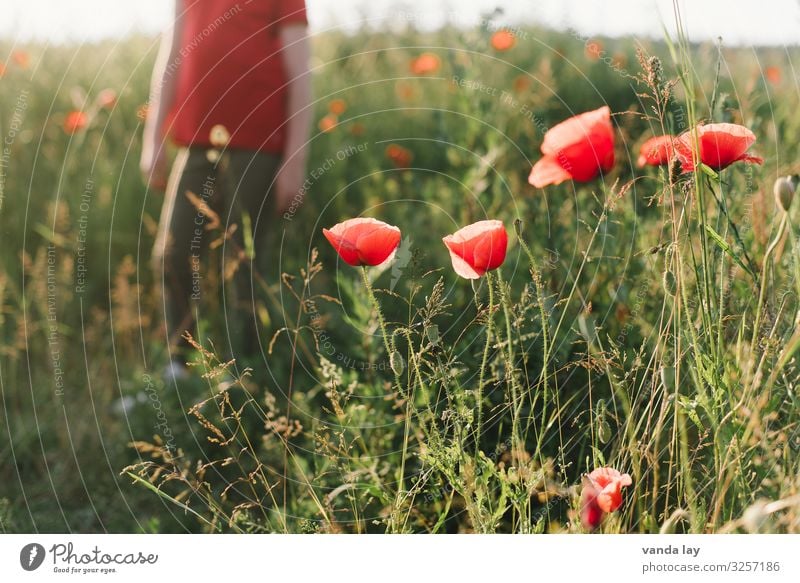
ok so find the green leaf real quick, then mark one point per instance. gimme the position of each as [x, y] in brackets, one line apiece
[728, 250]
[708, 171]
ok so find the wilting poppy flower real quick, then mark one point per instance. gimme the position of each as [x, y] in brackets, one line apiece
[21, 58]
[477, 248]
[327, 123]
[773, 74]
[426, 64]
[579, 148]
[656, 151]
[107, 98]
[141, 111]
[401, 157]
[75, 122]
[363, 241]
[601, 493]
[337, 106]
[718, 145]
[503, 40]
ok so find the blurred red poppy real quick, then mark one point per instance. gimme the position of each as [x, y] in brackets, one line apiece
[2, 69]
[718, 145]
[401, 157]
[337, 106]
[426, 64]
[503, 40]
[363, 241]
[579, 148]
[21, 58]
[75, 122]
[773, 74]
[593, 49]
[656, 151]
[477, 248]
[327, 123]
[601, 493]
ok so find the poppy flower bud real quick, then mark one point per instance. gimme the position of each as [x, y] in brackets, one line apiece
[397, 362]
[784, 191]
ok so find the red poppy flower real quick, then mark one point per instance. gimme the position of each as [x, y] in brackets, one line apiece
[328, 123]
[426, 64]
[579, 148]
[477, 248]
[503, 40]
[75, 122]
[363, 241]
[601, 493]
[107, 98]
[718, 144]
[592, 50]
[773, 74]
[401, 157]
[337, 106]
[656, 151]
[21, 58]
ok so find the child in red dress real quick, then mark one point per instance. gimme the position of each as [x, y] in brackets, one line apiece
[231, 88]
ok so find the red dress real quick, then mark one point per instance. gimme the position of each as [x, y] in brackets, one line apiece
[230, 72]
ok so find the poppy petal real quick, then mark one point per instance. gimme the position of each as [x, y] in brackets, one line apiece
[547, 171]
[576, 128]
[376, 246]
[346, 250]
[461, 267]
[490, 251]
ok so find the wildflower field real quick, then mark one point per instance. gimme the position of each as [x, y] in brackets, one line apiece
[501, 307]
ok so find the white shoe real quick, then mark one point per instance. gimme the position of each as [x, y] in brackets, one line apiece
[175, 371]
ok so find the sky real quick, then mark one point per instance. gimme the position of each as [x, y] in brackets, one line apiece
[738, 22]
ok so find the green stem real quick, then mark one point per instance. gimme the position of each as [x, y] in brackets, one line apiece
[388, 342]
[764, 277]
[510, 368]
[484, 362]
